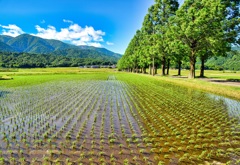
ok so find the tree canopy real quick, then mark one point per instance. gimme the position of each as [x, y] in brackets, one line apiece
[199, 29]
[28, 60]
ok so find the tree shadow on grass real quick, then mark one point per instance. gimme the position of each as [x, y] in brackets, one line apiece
[233, 80]
[211, 79]
[227, 80]
[179, 76]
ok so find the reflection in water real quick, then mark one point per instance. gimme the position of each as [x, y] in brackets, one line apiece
[3, 93]
[232, 106]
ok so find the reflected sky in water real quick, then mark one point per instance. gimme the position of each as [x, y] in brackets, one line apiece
[232, 106]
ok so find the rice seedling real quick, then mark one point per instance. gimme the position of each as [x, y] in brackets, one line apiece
[131, 120]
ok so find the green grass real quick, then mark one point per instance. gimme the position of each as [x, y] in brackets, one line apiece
[201, 85]
[70, 70]
[24, 77]
[209, 74]
[26, 80]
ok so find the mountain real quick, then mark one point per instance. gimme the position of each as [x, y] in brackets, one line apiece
[6, 48]
[36, 45]
[102, 50]
[4, 38]
[32, 44]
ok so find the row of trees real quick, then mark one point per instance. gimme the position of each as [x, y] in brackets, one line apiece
[198, 29]
[28, 60]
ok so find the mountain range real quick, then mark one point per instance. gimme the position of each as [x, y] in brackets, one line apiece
[36, 45]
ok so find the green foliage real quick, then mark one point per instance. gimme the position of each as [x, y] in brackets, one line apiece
[148, 46]
[28, 80]
[230, 62]
[199, 29]
[27, 60]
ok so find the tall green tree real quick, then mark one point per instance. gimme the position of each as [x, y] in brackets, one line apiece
[231, 22]
[177, 51]
[143, 61]
[131, 57]
[155, 25]
[163, 10]
[226, 32]
[198, 21]
[199, 28]
[149, 29]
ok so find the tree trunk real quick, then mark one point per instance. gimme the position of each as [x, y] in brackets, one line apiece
[168, 66]
[179, 67]
[150, 69]
[202, 67]
[156, 66]
[163, 66]
[136, 69]
[153, 67]
[144, 70]
[192, 66]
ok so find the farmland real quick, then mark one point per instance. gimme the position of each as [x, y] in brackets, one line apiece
[113, 118]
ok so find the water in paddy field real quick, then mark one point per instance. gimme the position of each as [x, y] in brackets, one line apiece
[232, 106]
[86, 117]
[91, 121]
[3, 93]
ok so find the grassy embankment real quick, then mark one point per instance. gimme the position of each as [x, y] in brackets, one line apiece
[232, 91]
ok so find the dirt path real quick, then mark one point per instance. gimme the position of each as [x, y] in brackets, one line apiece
[222, 81]
[235, 83]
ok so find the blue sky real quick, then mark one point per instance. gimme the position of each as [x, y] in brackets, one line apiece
[101, 23]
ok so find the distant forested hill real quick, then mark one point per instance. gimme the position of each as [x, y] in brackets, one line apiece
[28, 60]
[231, 62]
[27, 50]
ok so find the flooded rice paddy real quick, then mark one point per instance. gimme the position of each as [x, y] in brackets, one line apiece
[120, 120]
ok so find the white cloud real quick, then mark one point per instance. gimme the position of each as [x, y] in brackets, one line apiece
[109, 43]
[67, 21]
[79, 42]
[73, 34]
[49, 33]
[11, 30]
[95, 44]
